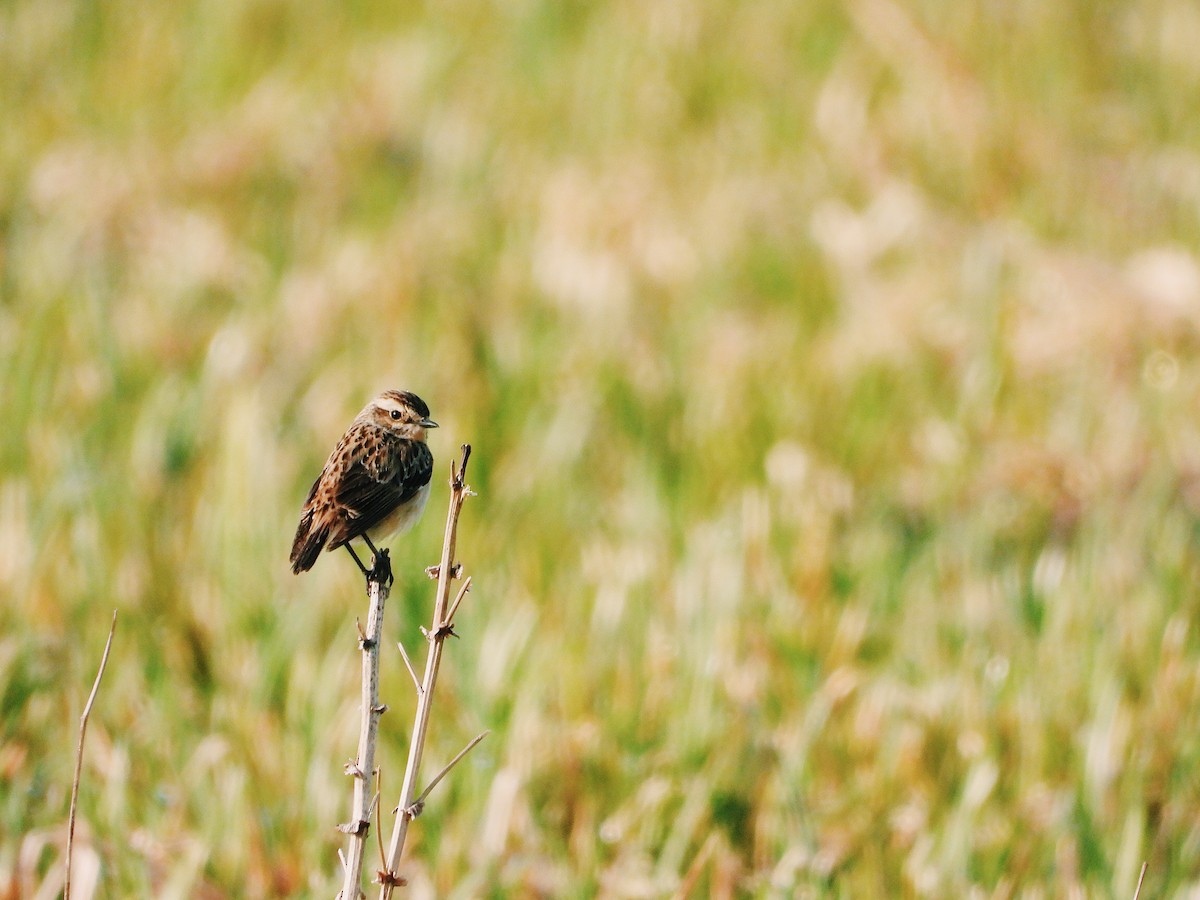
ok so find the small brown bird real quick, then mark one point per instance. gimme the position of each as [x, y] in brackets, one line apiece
[374, 484]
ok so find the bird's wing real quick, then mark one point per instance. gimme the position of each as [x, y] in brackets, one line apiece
[384, 473]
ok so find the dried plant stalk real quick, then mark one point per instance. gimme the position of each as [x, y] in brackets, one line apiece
[362, 769]
[83, 724]
[1141, 877]
[410, 806]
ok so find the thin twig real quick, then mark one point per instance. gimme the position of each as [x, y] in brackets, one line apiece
[1138, 892]
[408, 665]
[83, 724]
[420, 801]
[447, 570]
[363, 767]
[696, 869]
[378, 812]
[458, 600]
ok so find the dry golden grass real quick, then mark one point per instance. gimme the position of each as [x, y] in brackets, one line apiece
[832, 376]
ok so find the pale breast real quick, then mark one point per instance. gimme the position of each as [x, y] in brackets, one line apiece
[404, 517]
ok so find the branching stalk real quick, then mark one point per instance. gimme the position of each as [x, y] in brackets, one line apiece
[409, 806]
[362, 769]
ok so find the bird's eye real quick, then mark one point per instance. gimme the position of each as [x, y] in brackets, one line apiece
[395, 414]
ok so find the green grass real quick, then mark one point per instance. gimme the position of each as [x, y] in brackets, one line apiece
[832, 376]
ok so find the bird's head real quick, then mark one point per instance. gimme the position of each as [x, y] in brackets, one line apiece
[401, 412]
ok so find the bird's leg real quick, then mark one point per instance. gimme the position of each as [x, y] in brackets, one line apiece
[366, 537]
[381, 567]
[357, 561]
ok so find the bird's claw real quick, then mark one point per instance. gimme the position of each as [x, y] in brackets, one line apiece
[381, 569]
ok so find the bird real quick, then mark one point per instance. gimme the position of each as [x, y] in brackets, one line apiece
[373, 486]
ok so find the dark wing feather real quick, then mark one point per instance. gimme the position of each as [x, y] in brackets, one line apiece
[377, 481]
[310, 536]
[308, 543]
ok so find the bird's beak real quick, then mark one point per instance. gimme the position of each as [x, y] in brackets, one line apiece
[428, 423]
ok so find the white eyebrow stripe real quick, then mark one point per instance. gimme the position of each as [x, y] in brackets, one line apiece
[389, 404]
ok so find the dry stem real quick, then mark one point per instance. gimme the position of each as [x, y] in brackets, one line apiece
[1141, 876]
[363, 768]
[409, 806]
[83, 723]
[419, 803]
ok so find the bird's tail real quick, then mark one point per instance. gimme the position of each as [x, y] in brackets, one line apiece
[308, 544]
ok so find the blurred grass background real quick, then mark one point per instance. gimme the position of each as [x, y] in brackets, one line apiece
[832, 374]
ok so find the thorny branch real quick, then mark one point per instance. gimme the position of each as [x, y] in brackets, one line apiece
[442, 627]
[362, 769]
